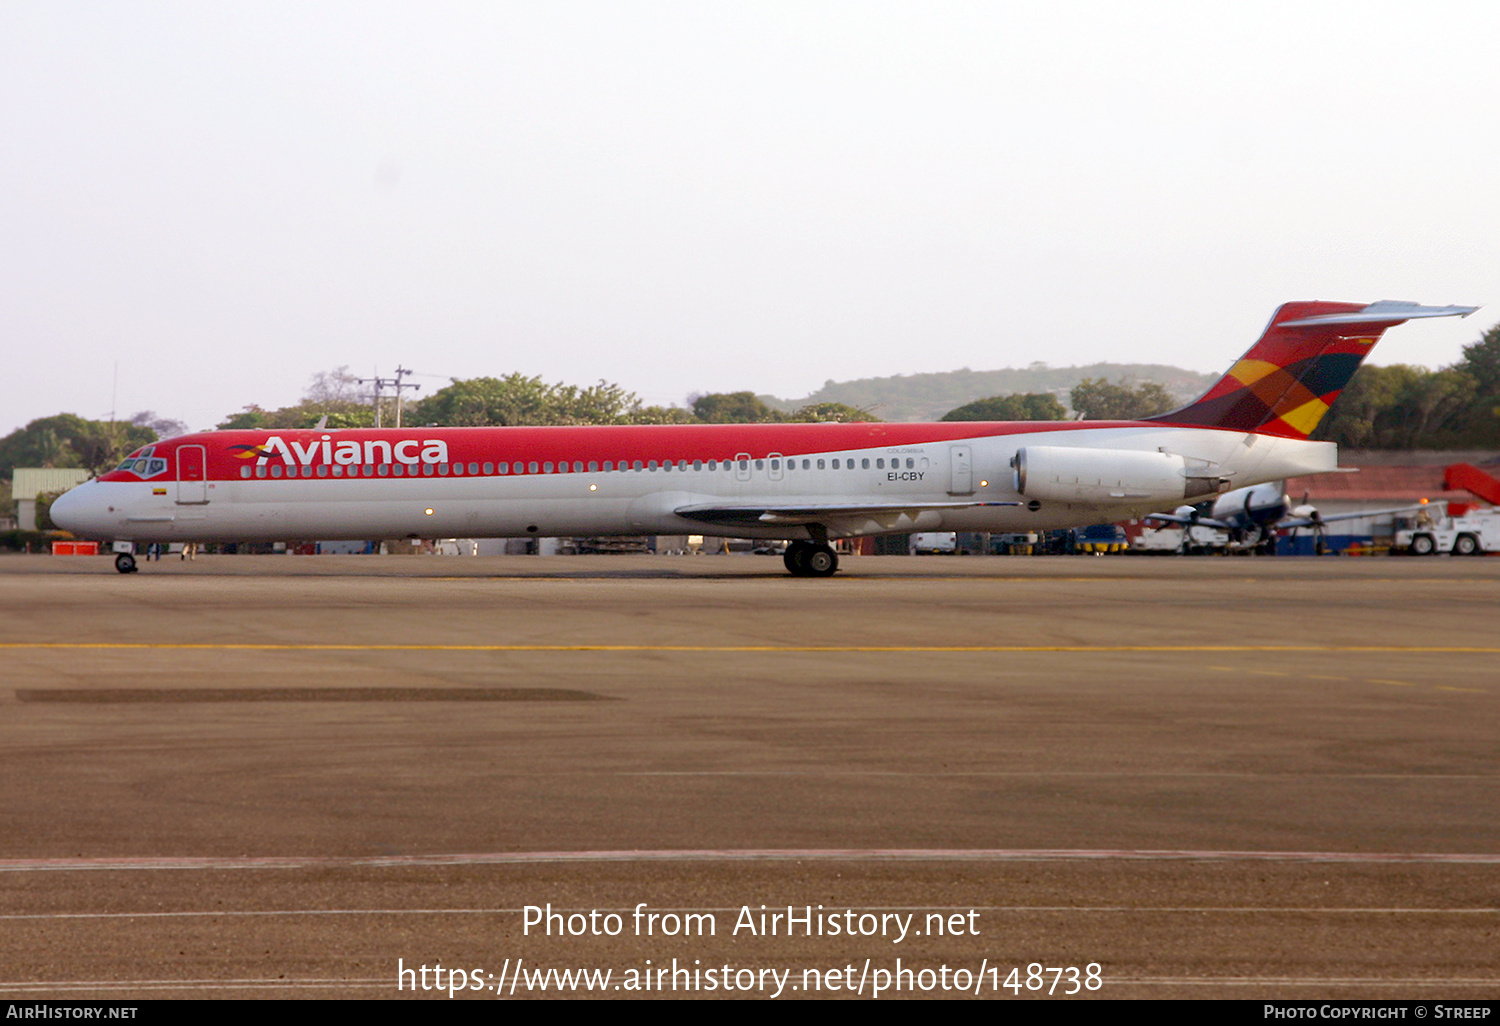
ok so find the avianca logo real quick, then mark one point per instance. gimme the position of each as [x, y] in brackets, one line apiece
[346, 452]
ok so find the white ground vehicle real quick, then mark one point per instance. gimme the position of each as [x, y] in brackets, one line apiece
[1472, 534]
[1170, 539]
[934, 543]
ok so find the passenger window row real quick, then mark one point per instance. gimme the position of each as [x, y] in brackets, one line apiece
[548, 467]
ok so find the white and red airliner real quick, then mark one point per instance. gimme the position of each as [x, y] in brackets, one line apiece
[805, 483]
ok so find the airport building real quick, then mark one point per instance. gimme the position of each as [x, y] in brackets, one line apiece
[29, 482]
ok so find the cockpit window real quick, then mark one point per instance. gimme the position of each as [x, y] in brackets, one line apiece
[144, 464]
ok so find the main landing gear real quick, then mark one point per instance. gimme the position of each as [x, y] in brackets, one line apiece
[811, 559]
[125, 563]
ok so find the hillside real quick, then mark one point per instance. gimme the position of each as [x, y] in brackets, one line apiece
[929, 396]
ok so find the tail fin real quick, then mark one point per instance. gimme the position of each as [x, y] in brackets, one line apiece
[1289, 379]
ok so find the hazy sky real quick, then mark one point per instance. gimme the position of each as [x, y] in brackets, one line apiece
[224, 198]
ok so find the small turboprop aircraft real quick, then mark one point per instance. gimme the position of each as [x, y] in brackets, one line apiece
[807, 484]
[1253, 515]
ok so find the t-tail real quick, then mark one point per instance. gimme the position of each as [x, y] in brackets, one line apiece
[1289, 379]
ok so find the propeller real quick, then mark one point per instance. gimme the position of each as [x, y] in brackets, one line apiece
[1307, 511]
[1192, 513]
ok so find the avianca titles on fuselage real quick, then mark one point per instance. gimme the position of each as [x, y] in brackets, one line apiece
[807, 483]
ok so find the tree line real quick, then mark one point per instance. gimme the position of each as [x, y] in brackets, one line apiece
[517, 401]
[1396, 407]
[1405, 407]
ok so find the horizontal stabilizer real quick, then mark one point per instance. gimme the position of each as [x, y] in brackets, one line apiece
[1387, 311]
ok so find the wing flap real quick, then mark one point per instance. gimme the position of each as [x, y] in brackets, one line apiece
[815, 513]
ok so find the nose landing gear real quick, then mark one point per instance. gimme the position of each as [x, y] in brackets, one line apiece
[125, 563]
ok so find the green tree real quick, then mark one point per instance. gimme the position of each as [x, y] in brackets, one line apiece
[1030, 406]
[248, 419]
[1098, 399]
[334, 394]
[67, 440]
[1481, 361]
[734, 408]
[831, 413]
[662, 415]
[304, 415]
[1481, 364]
[1400, 407]
[44, 501]
[519, 400]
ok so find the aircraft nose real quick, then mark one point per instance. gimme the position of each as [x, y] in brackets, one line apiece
[70, 510]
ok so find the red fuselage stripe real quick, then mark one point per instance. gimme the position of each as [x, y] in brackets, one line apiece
[228, 451]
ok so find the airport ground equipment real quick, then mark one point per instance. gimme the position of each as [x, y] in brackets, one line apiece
[1473, 533]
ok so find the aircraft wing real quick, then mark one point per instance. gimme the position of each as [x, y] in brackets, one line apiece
[1310, 521]
[816, 513]
[1173, 518]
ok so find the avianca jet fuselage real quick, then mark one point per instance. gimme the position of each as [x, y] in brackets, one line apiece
[806, 483]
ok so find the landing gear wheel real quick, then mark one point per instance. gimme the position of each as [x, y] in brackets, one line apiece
[822, 561]
[125, 563]
[795, 558]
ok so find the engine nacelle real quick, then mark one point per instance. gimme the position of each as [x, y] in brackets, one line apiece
[1062, 474]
